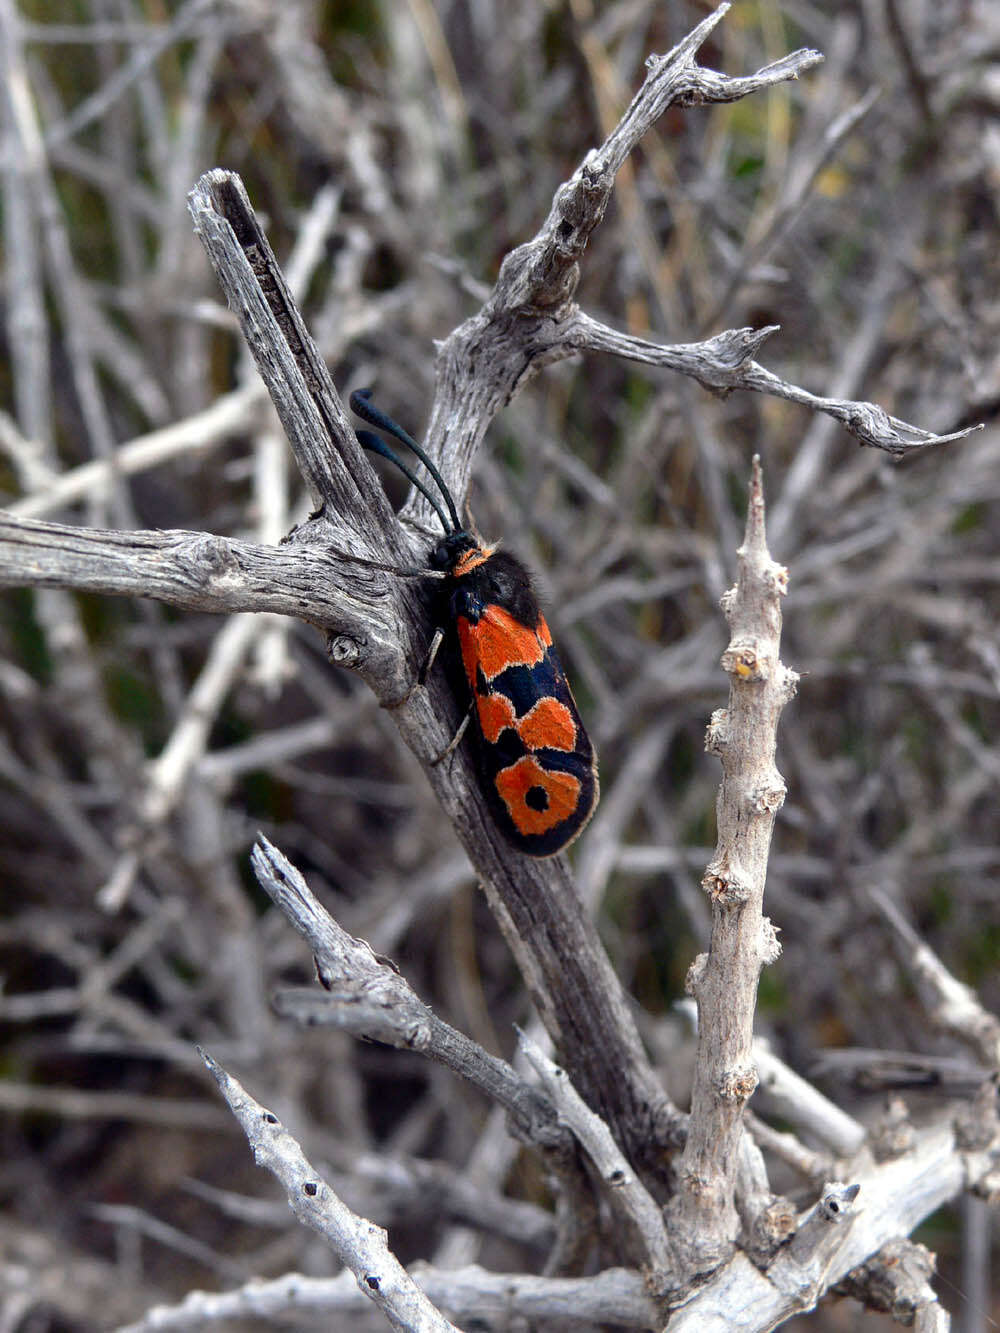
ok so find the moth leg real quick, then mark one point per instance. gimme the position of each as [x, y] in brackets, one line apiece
[432, 653]
[454, 742]
[423, 673]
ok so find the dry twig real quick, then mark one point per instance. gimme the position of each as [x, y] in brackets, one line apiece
[895, 576]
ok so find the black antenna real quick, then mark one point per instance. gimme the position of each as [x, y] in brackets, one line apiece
[376, 446]
[368, 412]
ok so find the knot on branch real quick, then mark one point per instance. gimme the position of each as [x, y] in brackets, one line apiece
[893, 1135]
[724, 884]
[581, 202]
[895, 1281]
[987, 1187]
[722, 358]
[717, 732]
[343, 651]
[770, 945]
[756, 598]
[771, 1227]
[542, 275]
[977, 1125]
[417, 1035]
[206, 558]
[774, 578]
[706, 1190]
[836, 1202]
[532, 1120]
[769, 797]
[695, 974]
[789, 682]
[737, 1085]
[872, 425]
[743, 662]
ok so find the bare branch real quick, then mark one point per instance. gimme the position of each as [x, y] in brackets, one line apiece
[195, 570]
[548, 958]
[883, 1202]
[626, 1194]
[636, 528]
[542, 274]
[792, 1098]
[723, 363]
[367, 996]
[787, 1148]
[329, 456]
[470, 1294]
[81, 1104]
[952, 1006]
[896, 1280]
[358, 1244]
[724, 982]
[136, 1222]
[538, 280]
[232, 414]
[167, 778]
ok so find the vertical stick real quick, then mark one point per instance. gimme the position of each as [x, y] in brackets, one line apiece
[724, 981]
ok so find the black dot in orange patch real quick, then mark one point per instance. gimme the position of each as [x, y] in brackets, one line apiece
[536, 798]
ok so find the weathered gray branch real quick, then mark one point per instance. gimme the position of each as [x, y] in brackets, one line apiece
[891, 1199]
[951, 1005]
[834, 1239]
[562, 960]
[471, 1295]
[530, 320]
[724, 982]
[200, 572]
[367, 996]
[318, 429]
[639, 1216]
[724, 363]
[355, 605]
[377, 624]
[789, 1096]
[358, 1244]
[897, 1281]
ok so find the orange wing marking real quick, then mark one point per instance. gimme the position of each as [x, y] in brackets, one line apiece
[495, 713]
[537, 800]
[548, 725]
[498, 641]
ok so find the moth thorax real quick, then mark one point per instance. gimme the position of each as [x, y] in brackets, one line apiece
[451, 548]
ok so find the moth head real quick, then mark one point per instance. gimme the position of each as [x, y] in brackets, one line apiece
[452, 550]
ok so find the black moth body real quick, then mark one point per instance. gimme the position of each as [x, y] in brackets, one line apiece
[536, 766]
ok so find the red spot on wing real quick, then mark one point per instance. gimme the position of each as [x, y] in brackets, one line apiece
[562, 793]
[497, 641]
[548, 725]
[495, 713]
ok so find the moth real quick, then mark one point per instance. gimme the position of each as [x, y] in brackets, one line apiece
[535, 762]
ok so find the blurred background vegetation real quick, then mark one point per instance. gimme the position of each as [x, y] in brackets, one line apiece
[396, 152]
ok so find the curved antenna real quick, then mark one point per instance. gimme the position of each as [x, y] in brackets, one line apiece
[368, 412]
[376, 446]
